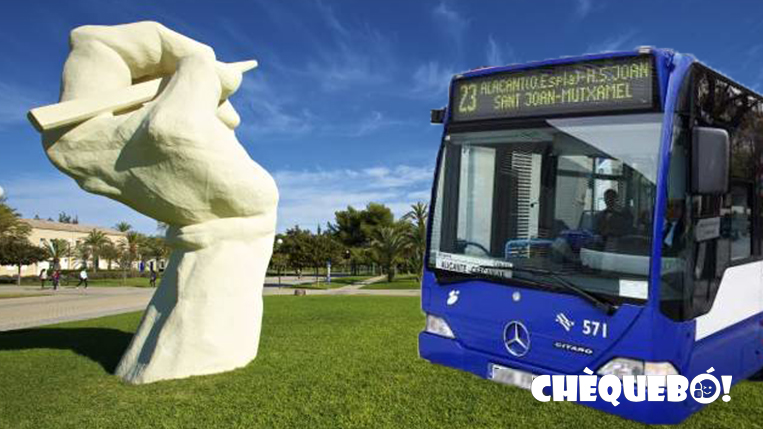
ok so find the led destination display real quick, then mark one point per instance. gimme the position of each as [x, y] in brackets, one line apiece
[603, 85]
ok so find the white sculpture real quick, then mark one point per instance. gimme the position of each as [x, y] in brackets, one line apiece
[176, 159]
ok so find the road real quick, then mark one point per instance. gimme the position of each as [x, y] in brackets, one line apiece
[69, 304]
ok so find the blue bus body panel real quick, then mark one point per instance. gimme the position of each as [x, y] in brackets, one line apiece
[483, 309]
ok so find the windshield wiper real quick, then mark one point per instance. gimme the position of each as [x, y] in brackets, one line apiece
[603, 305]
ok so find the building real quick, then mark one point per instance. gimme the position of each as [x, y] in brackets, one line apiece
[44, 230]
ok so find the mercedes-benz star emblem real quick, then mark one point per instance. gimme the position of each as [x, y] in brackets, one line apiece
[516, 338]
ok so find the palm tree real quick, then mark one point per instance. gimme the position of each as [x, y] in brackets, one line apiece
[388, 245]
[109, 252]
[82, 252]
[155, 248]
[129, 249]
[11, 224]
[95, 241]
[58, 249]
[123, 226]
[416, 237]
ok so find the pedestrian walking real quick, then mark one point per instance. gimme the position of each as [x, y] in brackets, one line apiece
[153, 277]
[43, 277]
[56, 277]
[82, 278]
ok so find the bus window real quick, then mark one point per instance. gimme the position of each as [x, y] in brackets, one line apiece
[573, 195]
[716, 103]
[738, 221]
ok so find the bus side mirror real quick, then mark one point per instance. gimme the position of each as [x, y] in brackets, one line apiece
[710, 161]
[437, 116]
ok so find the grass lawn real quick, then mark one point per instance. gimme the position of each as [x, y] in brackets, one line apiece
[336, 282]
[316, 286]
[130, 281]
[20, 295]
[404, 281]
[325, 362]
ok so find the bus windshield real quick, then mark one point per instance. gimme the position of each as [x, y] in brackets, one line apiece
[573, 196]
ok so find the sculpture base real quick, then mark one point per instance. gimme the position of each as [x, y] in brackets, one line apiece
[206, 315]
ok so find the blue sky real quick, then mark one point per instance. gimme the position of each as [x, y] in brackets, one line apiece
[338, 110]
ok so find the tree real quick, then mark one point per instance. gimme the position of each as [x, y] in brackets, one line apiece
[123, 226]
[19, 252]
[355, 228]
[297, 246]
[323, 248]
[95, 241]
[109, 252]
[156, 248]
[416, 236]
[129, 249]
[82, 252]
[11, 224]
[58, 249]
[388, 246]
[279, 261]
[65, 218]
[347, 228]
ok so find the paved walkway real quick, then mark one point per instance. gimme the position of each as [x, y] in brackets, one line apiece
[69, 304]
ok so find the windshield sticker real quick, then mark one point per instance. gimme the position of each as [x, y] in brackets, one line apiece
[708, 228]
[634, 288]
[472, 265]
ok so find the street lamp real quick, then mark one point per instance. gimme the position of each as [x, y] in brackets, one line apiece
[279, 242]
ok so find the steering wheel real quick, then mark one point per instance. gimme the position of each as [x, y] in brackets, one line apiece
[461, 245]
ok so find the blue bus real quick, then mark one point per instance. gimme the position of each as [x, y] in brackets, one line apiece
[602, 211]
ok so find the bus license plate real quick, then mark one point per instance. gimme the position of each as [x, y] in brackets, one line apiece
[510, 376]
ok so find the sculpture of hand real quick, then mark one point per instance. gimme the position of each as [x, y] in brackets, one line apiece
[177, 160]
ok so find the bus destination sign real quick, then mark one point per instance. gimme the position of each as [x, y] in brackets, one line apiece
[615, 84]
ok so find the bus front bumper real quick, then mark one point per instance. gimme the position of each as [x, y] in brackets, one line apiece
[450, 353]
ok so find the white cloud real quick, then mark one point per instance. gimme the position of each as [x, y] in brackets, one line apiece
[327, 12]
[497, 55]
[451, 21]
[615, 43]
[310, 198]
[47, 196]
[364, 60]
[356, 55]
[583, 8]
[375, 121]
[270, 111]
[431, 80]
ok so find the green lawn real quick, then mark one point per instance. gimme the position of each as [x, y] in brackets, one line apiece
[404, 281]
[325, 362]
[336, 282]
[316, 286]
[130, 281]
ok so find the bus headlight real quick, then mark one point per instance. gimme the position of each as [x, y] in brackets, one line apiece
[623, 366]
[438, 326]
